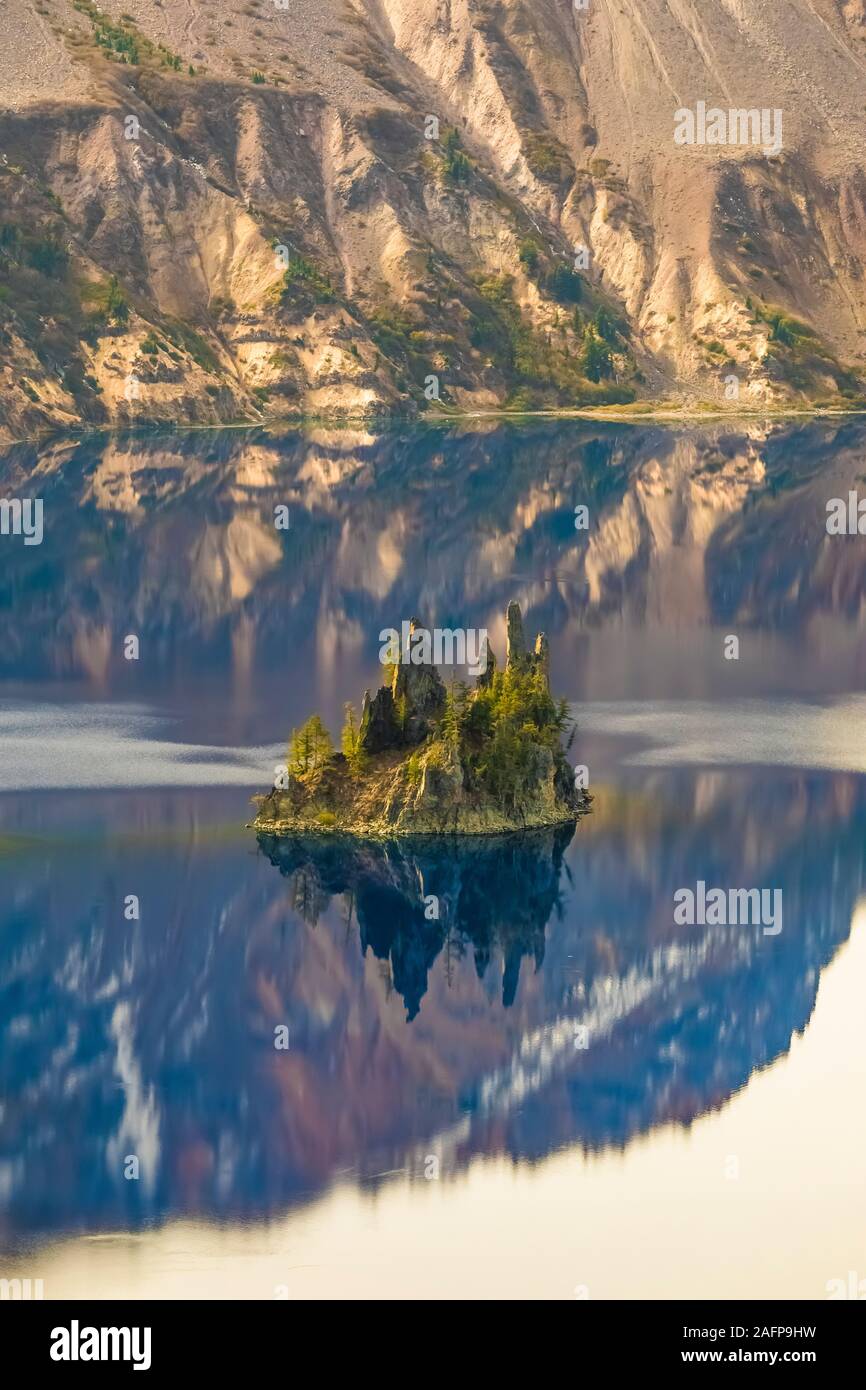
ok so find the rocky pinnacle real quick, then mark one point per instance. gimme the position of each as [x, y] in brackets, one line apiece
[515, 649]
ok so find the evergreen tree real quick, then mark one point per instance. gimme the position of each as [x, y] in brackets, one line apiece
[401, 713]
[310, 747]
[350, 740]
[605, 327]
[596, 359]
[455, 713]
[116, 307]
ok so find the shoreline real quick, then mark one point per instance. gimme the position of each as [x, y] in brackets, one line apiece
[613, 414]
[284, 830]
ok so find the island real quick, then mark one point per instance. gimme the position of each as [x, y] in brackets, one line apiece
[429, 758]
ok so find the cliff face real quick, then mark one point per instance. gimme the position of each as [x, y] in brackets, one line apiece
[363, 208]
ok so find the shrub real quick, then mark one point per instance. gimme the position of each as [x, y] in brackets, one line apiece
[528, 254]
[301, 276]
[564, 284]
[192, 342]
[546, 157]
[456, 165]
[116, 307]
[46, 254]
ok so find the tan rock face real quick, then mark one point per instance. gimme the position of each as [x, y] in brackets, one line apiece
[428, 173]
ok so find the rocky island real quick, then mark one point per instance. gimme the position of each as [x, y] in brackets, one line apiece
[429, 758]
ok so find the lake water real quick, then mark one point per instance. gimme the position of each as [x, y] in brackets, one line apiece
[552, 1091]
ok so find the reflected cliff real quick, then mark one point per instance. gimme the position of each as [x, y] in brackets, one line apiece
[408, 1036]
[173, 539]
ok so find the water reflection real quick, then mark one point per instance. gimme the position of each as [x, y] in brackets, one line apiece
[173, 538]
[408, 1036]
[419, 898]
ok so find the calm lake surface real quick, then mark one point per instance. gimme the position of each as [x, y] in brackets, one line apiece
[437, 1127]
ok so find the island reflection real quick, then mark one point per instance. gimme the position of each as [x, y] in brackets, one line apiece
[418, 897]
[408, 1036]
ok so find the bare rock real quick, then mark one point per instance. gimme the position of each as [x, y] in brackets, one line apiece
[515, 649]
[378, 728]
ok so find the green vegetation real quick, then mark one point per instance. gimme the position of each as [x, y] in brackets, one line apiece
[350, 741]
[192, 342]
[47, 255]
[123, 43]
[35, 284]
[116, 307]
[116, 40]
[610, 329]
[433, 758]
[456, 164]
[533, 362]
[393, 331]
[310, 748]
[303, 280]
[498, 731]
[40, 302]
[43, 253]
[529, 254]
[280, 359]
[800, 355]
[555, 278]
[595, 358]
[783, 328]
[400, 340]
[546, 157]
[564, 284]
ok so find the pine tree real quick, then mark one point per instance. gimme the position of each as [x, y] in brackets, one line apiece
[350, 740]
[116, 307]
[310, 747]
[455, 713]
[596, 357]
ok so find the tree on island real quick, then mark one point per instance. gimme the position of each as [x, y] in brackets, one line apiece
[350, 740]
[310, 748]
[454, 713]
